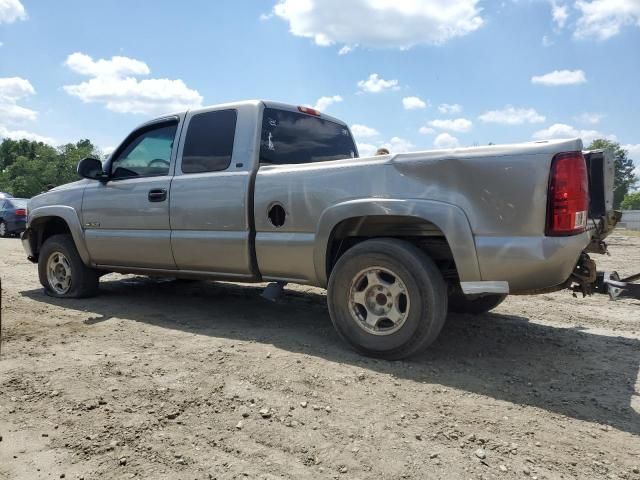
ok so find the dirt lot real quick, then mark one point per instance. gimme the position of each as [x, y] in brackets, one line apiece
[167, 380]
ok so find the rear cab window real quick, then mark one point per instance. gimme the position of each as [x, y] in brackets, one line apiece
[291, 138]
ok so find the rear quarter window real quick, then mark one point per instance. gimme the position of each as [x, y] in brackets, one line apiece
[208, 146]
[291, 137]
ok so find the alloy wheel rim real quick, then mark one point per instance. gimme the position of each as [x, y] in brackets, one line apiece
[3, 229]
[59, 273]
[379, 301]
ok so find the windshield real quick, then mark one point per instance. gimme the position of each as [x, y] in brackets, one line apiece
[292, 137]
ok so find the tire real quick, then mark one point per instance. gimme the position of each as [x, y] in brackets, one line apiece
[415, 292]
[460, 303]
[4, 230]
[62, 272]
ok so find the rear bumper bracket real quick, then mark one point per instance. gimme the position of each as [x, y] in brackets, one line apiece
[611, 284]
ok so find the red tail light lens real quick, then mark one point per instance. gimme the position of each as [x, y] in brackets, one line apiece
[21, 212]
[568, 196]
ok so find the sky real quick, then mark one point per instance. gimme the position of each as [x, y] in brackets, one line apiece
[406, 74]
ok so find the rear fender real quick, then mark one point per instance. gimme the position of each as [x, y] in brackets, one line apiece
[449, 218]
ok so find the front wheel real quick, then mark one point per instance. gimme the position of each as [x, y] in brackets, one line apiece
[62, 272]
[4, 231]
[387, 298]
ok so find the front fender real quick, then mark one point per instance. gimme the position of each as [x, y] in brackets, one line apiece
[39, 215]
[449, 218]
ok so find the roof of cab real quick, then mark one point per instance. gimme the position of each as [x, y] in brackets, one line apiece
[254, 103]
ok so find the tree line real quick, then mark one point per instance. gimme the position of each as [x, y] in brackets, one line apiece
[28, 168]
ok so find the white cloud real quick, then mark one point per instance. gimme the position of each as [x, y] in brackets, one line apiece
[116, 67]
[560, 13]
[560, 77]
[366, 149]
[113, 84]
[557, 130]
[547, 42]
[108, 150]
[633, 152]
[457, 125]
[589, 118]
[12, 10]
[426, 130]
[362, 131]
[325, 102]
[562, 130]
[399, 145]
[375, 84]
[13, 89]
[444, 140]
[512, 116]
[413, 103]
[380, 23]
[449, 109]
[345, 50]
[395, 145]
[12, 113]
[23, 134]
[603, 19]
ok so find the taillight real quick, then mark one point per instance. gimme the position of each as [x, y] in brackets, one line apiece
[568, 196]
[21, 212]
[309, 111]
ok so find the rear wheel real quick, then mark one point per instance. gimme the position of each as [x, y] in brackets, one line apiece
[387, 298]
[62, 272]
[461, 303]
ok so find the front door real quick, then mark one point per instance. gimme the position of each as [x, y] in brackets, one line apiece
[126, 219]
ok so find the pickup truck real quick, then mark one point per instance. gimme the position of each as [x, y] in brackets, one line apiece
[261, 191]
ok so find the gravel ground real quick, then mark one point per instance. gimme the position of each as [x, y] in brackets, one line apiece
[172, 380]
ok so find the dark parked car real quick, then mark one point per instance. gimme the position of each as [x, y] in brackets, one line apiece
[13, 216]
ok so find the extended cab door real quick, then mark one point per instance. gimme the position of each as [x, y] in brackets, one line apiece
[126, 219]
[210, 218]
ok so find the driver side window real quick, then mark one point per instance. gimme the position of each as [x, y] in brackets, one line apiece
[147, 154]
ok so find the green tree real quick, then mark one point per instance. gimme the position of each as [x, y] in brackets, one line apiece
[624, 178]
[26, 167]
[631, 201]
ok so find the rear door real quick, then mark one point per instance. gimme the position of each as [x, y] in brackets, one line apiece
[126, 219]
[210, 222]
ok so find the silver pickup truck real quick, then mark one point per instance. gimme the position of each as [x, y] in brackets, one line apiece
[266, 192]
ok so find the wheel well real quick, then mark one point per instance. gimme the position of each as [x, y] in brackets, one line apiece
[46, 227]
[422, 233]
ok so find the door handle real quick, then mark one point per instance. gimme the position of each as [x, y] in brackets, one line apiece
[157, 195]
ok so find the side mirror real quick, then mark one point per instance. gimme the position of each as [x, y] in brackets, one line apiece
[91, 168]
